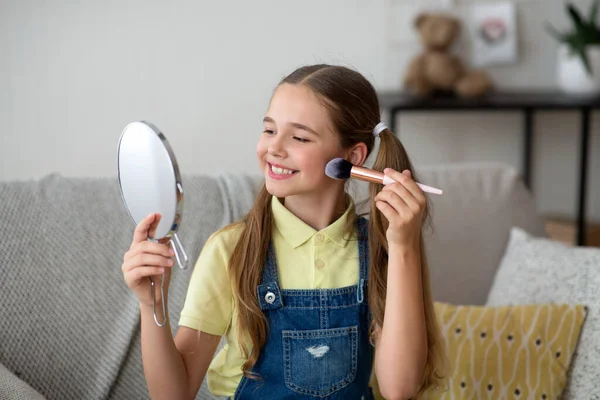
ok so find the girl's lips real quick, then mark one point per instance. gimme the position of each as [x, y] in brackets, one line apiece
[273, 175]
[281, 166]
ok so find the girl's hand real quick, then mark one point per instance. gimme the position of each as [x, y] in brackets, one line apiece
[147, 259]
[403, 204]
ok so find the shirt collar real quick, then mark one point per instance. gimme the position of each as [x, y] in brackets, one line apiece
[296, 232]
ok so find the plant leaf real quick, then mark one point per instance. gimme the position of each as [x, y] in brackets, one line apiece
[584, 33]
[586, 61]
[587, 33]
[575, 16]
[579, 48]
[593, 14]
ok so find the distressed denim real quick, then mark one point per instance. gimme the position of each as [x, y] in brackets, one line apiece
[318, 340]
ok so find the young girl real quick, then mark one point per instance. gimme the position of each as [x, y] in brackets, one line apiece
[310, 296]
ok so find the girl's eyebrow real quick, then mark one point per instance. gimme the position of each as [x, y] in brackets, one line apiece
[295, 125]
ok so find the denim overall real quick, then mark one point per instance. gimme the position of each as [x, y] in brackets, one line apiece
[318, 340]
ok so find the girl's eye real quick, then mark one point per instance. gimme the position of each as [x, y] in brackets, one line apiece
[268, 132]
[302, 140]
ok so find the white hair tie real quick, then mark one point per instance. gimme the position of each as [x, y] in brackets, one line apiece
[380, 127]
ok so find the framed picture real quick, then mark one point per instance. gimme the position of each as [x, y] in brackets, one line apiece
[493, 28]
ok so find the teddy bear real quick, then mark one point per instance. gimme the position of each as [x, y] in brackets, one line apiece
[436, 70]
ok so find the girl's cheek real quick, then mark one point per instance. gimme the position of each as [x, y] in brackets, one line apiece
[260, 148]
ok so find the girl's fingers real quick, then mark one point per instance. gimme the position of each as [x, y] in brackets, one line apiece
[396, 201]
[146, 259]
[152, 230]
[142, 272]
[141, 230]
[149, 248]
[156, 248]
[402, 192]
[405, 179]
[387, 210]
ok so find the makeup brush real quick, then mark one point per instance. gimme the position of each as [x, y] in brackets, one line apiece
[338, 168]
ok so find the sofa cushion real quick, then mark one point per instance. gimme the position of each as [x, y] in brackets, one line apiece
[495, 352]
[69, 321]
[523, 351]
[68, 317]
[539, 270]
[13, 388]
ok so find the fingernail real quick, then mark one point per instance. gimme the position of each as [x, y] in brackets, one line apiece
[386, 170]
[171, 252]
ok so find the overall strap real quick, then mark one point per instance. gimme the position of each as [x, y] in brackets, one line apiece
[269, 294]
[270, 273]
[362, 228]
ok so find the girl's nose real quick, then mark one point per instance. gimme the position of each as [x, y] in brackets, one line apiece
[276, 148]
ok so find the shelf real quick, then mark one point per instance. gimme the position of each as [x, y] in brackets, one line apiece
[565, 230]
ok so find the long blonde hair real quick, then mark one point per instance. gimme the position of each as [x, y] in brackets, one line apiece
[354, 109]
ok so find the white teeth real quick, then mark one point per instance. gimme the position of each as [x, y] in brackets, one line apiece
[281, 171]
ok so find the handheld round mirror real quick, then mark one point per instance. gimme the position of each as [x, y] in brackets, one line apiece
[150, 182]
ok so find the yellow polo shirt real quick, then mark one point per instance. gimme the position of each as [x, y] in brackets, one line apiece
[306, 258]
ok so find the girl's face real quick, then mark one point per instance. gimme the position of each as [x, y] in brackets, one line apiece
[297, 142]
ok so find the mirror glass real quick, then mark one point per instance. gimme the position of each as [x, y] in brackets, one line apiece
[149, 177]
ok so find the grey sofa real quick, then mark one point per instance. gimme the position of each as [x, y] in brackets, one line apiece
[69, 327]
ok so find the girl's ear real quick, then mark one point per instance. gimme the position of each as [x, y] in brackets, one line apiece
[357, 154]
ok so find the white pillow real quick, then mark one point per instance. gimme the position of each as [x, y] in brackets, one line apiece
[539, 270]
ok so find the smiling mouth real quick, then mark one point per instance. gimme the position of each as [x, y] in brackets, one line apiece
[281, 171]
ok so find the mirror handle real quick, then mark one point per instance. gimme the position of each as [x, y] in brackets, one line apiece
[178, 248]
[162, 296]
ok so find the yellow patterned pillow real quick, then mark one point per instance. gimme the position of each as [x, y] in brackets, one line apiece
[512, 352]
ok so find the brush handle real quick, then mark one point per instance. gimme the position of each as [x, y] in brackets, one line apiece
[387, 180]
[370, 175]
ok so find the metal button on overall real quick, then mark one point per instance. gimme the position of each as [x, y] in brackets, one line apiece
[270, 297]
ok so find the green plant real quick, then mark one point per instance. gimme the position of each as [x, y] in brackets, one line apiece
[584, 33]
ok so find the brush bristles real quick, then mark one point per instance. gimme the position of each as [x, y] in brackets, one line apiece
[338, 168]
